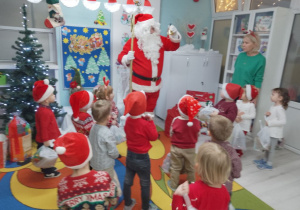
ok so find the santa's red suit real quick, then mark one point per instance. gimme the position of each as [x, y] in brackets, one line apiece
[146, 72]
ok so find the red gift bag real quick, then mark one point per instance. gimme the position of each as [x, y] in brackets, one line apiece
[202, 96]
[171, 114]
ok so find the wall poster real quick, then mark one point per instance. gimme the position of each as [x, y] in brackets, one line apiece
[87, 49]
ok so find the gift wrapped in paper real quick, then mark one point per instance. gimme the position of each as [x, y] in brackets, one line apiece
[3, 150]
[20, 141]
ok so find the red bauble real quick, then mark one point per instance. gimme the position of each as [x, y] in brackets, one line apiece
[196, 0]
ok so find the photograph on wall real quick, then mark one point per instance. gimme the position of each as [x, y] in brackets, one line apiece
[86, 50]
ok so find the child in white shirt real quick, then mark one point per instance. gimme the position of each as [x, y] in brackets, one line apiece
[246, 110]
[275, 120]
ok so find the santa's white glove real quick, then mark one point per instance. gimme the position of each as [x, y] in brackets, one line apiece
[174, 35]
[127, 58]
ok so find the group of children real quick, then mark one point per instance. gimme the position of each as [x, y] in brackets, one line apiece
[94, 147]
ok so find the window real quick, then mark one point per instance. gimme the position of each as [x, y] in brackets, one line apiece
[261, 4]
[291, 71]
[220, 37]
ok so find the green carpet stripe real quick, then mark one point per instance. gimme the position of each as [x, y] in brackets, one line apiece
[243, 199]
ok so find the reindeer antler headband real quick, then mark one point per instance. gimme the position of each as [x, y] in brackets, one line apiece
[106, 82]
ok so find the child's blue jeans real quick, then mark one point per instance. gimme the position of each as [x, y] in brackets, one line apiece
[137, 164]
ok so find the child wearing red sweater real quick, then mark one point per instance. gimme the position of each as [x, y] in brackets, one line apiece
[213, 166]
[185, 130]
[46, 126]
[139, 131]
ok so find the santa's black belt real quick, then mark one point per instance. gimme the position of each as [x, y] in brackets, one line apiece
[153, 79]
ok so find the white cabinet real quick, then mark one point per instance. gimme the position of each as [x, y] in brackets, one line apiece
[273, 26]
[187, 71]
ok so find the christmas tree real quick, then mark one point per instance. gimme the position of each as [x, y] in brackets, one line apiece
[101, 75]
[100, 19]
[92, 67]
[103, 58]
[29, 68]
[70, 63]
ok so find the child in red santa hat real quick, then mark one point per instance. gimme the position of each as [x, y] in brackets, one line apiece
[184, 133]
[83, 189]
[46, 126]
[246, 110]
[80, 102]
[227, 105]
[139, 131]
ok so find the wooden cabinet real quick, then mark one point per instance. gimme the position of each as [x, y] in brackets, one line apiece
[187, 71]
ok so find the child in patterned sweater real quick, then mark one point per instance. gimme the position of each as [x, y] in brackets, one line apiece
[84, 189]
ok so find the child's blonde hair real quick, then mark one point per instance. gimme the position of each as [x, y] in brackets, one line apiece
[220, 127]
[102, 93]
[255, 39]
[214, 163]
[101, 109]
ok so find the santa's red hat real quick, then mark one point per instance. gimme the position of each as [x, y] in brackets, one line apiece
[80, 100]
[135, 103]
[232, 91]
[41, 90]
[188, 107]
[251, 92]
[73, 149]
[143, 21]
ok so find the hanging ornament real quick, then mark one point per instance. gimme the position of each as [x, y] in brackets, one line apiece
[191, 26]
[91, 4]
[70, 3]
[112, 5]
[147, 7]
[130, 7]
[190, 34]
[34, 1]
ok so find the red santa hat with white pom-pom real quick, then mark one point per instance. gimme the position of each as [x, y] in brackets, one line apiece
[232, 91]
[73, 149]
[42, 90]
[188, 107]
[79, 101]
[251, 92]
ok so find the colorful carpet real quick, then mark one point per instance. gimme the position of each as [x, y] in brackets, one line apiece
[24, 187]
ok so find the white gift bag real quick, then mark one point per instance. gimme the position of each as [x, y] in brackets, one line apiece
[118, 133]
[238, 137]
[264, 136]
[167, 163]
[45, 157]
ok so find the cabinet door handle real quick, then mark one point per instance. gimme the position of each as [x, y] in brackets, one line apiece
[187, 62]
[206, 61]
[202, 83]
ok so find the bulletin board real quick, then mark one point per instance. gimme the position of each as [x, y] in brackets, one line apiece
[87, 49]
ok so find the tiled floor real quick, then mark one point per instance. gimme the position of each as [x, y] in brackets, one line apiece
[280, 187]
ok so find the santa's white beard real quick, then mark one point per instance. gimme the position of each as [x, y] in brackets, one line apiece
[150, 44]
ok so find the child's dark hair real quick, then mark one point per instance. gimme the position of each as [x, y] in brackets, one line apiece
[283, 92]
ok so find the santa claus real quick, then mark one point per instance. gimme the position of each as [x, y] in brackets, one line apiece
[148, 56]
